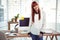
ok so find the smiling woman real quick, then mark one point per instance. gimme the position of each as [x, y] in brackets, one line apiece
[36, 22]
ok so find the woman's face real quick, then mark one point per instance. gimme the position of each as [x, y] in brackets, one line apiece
[36, 8]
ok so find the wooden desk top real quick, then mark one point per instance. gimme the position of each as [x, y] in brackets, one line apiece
[12, 22]
[26, 35]
[54, 33]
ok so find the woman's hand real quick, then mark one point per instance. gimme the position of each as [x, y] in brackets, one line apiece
[32, 23]
[40, 35]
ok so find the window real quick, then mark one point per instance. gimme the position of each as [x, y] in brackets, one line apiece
[1, 14]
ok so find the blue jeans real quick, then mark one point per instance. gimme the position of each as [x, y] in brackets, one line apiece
[36, 37]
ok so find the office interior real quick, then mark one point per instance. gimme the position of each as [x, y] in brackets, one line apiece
[10, 8]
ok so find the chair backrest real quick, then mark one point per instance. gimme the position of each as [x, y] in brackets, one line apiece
[2, 36]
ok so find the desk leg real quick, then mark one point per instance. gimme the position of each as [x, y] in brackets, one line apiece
[56, 37]
[8, 26]
[52, 37]
[46, 37]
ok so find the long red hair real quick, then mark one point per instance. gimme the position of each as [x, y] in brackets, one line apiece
[34, 3]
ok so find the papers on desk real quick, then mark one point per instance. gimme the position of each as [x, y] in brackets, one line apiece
[7, 33]
[50, 31]
[10, 34]
[47, 31]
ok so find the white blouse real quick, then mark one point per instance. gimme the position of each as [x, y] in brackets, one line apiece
[36, 26]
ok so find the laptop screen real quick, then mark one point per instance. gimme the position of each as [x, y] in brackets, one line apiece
[24, 23]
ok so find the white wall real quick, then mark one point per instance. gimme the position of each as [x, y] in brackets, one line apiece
[23, 7]
[13, 8]
[49, 8]
[58, 18]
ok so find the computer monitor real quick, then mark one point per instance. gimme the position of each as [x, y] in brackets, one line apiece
[24, 23]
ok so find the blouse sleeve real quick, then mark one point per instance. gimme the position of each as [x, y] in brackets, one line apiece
[43, 20]
[30, 23]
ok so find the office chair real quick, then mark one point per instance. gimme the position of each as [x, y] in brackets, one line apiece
[2, 36]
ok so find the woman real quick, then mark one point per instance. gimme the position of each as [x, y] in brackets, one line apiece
[36, 22]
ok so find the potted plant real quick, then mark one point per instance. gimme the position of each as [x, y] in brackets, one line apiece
[16, 17]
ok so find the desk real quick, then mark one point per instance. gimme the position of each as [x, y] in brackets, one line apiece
[11, 23]
[51, 35]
